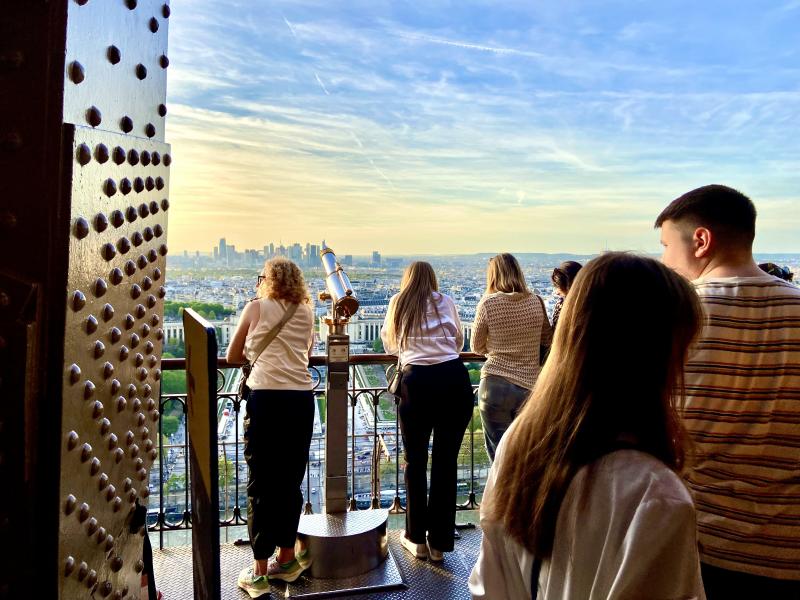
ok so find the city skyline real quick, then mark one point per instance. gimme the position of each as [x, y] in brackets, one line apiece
[486, 127]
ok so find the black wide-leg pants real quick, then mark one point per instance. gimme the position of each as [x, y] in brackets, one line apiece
[278, 426]
[435, 399]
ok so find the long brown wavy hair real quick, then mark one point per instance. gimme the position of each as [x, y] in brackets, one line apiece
[416, 289]
[283, 280]
[614, 370]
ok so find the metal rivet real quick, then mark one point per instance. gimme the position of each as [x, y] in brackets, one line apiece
[117, 501]
[160, 334]
[156, 274]
[114, 55]
[83, 512]
[138, 185]
[150, 130]
[138, 566]
[163, 61]
[110, 187]
[159, 183]
[165, 206]
[131, 390]
[157, 374]
[146, 329]
[108, 370]
[162, 292]
[135, 338]
[86, 452]
[162, 110]
[97, 409]
[118, 455]
[94, 467]
[130, 267]
[91, 324]
[123, 245]
[84, 155]
[151, 405]
[100, 223]
[142, 373]
[102, 482]
[147, 390]
[112, 439]
[131, 214]
[115, 384]
[83, 570]
[125, 186]
[142, 474]
[129, 321]
[144, 493]
[69, 505]
[154, 416]
[101, 153]
[153, 454]
[154, 208]
[156, 158]
[117, 218]
[149, 183]
[108, 312]
[153, 25]
[137, 239]
[99, 349]
[116, 275]
[118, 155]
[74, 374]
[139, 360]
[147, 283]
[139, 463]
[123, 353]
[136, 291]
[142, 261]
[69, 566]
[105, 587]
[145, 157]
[140, 312]
[135, 451]
[100, 287]
[76, 72]
[81, 228]
[126, 124]
[137, 404]
[144, 211]
[131, 4]
[166, 11]
[152, 255]
[116, 564]
[148, 348]
[109, 546]
[88, 391]
[72, 440]
[108, 251]
[145, 433]
[167, 160]
[141, 71]
[133, 157]
[121, 403]
[94, 116]
[127, 484]
[155, 320]
[91, 579]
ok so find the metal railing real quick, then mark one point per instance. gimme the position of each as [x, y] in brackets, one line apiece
[170, 477]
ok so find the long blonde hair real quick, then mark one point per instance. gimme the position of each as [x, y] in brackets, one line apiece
[503, 274]
[614, 370]
[411, 304]
[283, 280]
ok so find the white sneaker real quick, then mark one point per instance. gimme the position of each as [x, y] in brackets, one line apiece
[434, 554]
[416, 550]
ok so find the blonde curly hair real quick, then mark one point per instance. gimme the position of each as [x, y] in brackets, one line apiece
[283, 280]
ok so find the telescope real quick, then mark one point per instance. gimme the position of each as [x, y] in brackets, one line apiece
[340, 290]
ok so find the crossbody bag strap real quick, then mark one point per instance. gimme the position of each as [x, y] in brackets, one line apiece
[288, 313]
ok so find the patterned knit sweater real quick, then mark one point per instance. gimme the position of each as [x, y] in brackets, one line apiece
[508, 329]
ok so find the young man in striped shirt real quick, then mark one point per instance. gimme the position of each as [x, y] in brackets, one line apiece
[742, 398]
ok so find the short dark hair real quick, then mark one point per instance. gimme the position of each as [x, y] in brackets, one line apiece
[726, 212]
[564, 274]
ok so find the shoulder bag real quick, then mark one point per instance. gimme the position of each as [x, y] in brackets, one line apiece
[247, 367]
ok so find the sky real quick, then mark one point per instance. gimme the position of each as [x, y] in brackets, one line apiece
[462, 126]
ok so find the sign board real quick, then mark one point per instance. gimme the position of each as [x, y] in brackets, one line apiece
[201, 385]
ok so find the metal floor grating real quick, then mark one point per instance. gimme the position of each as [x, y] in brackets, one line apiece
[445, 580]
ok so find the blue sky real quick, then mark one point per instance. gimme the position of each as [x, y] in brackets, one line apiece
[454, 127]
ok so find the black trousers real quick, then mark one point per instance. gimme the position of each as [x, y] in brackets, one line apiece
[277, 435]
[723, 584]
[435, 399]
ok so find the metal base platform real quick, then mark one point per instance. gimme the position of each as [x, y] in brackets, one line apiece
[422, 579]
[344, 545]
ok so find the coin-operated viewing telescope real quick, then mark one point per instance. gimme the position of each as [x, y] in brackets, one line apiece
[340, 292]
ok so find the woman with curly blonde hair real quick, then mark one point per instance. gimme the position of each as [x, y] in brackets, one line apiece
[279, 419]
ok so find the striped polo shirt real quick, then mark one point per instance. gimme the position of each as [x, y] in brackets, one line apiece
[743, 412]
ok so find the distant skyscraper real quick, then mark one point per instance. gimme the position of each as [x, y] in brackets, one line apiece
[376, 258]
[223, 251]
[347, 261]
[296, 253]
[216, 253]
[271, 250]
[313, 259]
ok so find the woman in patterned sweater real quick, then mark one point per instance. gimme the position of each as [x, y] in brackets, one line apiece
[511, 328]
[562, 278]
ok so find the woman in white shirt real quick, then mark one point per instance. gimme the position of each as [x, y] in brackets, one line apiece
[423, 327]
[279, 419]
[584, 500]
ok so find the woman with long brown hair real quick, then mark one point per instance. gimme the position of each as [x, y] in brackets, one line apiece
[562, 278]
[511, 328]
[584, 499]
[275, 334]
[422, 326]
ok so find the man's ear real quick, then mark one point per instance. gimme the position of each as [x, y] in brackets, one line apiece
[702, 242]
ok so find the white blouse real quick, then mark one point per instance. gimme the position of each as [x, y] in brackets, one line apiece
[634, 537]
[440, 339]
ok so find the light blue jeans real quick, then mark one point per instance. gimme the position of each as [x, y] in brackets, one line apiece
[499, 401]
